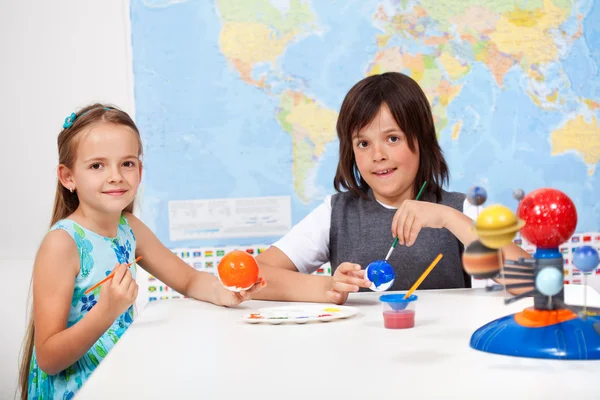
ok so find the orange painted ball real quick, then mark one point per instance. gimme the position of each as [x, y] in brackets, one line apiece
[238, 271]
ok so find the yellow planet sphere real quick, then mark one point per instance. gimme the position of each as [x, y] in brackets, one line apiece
[496, 226]
[494, 217]
[494, 241]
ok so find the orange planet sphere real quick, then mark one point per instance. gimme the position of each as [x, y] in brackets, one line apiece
[238, 271]
[481, 262]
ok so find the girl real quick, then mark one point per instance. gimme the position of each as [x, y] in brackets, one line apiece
[92, 231]
[388, 149]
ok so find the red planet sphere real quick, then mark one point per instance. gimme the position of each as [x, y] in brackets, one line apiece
[550, 218]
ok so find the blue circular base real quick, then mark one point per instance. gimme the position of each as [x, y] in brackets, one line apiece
[577, 339]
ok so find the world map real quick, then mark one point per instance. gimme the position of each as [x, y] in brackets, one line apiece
[240, 98]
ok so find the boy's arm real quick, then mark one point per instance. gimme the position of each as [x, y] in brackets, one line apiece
[285, 283]
[56, 266]
[462, 227]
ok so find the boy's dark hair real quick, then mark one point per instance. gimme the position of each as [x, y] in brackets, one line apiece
[411, 111]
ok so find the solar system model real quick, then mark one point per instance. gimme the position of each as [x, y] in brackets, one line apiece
[551, 328]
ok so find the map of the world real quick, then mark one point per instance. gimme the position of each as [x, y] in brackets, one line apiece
[239, 99]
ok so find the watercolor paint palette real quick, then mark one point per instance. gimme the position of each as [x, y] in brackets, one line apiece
[299, 314]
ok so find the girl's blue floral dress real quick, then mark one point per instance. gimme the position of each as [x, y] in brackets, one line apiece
[97, 258]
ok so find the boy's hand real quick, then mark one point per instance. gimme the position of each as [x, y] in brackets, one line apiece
[414, 215]
[347, 278]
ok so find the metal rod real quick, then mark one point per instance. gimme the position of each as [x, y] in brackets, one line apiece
[519, 285]
[515, 276]
[520, 296]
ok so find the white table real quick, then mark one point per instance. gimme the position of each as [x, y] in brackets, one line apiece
[184, 349]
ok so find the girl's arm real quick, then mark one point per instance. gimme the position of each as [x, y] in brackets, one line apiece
[55, 269]
[174, 272]
[285, 283]
[288, 264]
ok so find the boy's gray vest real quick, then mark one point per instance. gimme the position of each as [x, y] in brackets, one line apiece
[361, 233]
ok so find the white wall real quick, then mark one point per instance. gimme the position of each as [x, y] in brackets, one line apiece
[56, 56]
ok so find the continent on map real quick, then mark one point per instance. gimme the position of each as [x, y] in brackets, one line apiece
[580, 135]
[528, 34]
[256, 32]
[311, 127]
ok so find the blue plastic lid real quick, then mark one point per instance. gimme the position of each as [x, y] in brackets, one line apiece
[547, 253]
[397, 298]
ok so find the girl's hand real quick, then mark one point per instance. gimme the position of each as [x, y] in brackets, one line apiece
[347, 278]
[227, 298]
[118, 294]
[414, 215]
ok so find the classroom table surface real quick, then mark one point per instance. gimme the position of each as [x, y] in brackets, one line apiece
[186, 349]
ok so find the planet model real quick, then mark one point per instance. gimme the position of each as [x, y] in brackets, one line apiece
[381, 275]
[237, 271]
[497, 226]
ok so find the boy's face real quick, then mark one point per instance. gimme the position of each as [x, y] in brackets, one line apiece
[107, 170]
[384, 159]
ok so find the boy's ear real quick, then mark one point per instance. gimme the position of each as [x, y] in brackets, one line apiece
[65, 176]
[141, 169]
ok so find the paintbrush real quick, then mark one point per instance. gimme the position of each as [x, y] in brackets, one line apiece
[423, 276]
[109, 277]
[396, 239]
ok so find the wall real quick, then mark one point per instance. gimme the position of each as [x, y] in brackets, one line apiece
[56, 56]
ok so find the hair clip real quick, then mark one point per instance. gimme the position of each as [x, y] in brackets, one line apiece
[69, 120]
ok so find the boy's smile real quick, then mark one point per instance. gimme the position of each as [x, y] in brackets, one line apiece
[384, 173]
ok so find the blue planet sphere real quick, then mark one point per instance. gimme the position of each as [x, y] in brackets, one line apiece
[477, 195]
[549, 281]
[381, 275]
[586, 258]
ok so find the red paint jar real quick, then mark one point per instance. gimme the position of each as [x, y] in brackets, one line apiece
[399, 319]
[398, 312]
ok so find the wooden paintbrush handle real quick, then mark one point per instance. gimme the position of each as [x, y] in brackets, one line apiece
[109, 277]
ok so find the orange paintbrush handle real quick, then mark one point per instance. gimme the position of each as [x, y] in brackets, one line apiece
[109, 277]
[423, 275]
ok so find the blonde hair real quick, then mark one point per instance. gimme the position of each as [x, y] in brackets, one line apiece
[65, 202]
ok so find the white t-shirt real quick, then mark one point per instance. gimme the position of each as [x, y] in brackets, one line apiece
[307, 243]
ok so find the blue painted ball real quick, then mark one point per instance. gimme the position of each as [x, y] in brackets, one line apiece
[381, 275]
[586, 258]
[549, 281]
[477, 195]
